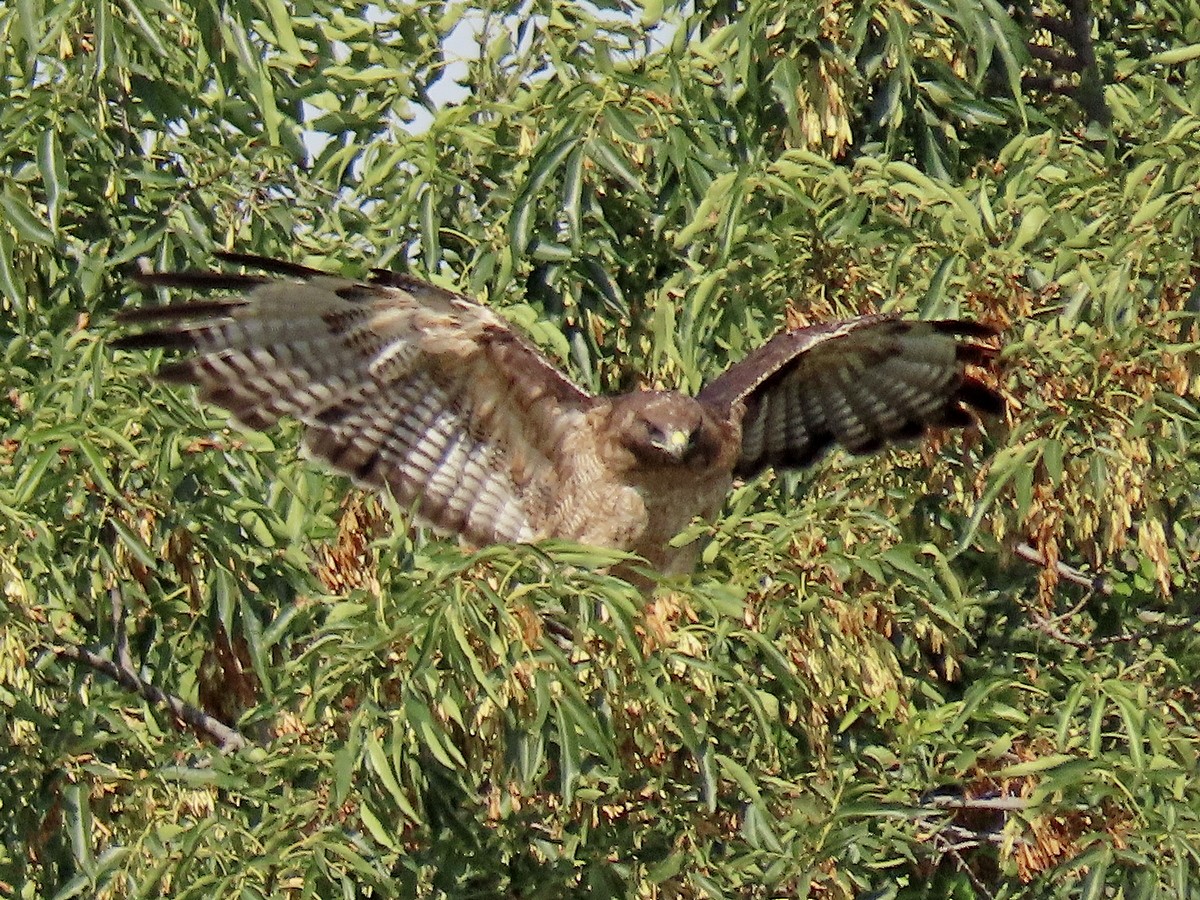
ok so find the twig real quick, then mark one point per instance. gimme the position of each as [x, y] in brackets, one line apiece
[1004, 804]
[1049, 627]
[1097, 583]
[950, 840]
[123, 673]
[120, 635]
[227, 738]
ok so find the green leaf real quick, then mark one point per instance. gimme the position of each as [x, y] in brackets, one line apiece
[381, 767]
[378, 830]
[569, 760]
[23, 220]
[545, 163]
[430, 244]
[146, 26]
[134, 544]
[612, 161]
[1033, 766]
[53, 170]
[1175, 55]
[573, 195]
[281, 23]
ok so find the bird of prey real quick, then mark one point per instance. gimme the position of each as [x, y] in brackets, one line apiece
[411, 388]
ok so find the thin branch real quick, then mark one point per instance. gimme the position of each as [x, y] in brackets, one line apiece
[1049, 627]
[1080, 33]
[954, 849]
[1097, 583]
[120, 635]
[123, 673]
[1091, 88]
[1004, 804]
[229, 739]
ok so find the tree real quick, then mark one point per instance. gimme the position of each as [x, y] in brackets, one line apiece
[866, 689]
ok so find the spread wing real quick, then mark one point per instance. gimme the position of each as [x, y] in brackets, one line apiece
[860, 383]
[399, 384]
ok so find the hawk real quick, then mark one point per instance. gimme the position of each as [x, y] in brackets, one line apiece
[408, 387]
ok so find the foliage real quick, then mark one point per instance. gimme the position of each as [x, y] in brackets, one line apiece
[650, 191]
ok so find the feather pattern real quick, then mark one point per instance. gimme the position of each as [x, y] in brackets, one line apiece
[408, 387]
[401, 384]
[862, 383]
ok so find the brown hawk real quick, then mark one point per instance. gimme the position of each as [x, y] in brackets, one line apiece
[410, 387]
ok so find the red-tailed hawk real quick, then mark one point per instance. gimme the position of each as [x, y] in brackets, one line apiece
[406, 386]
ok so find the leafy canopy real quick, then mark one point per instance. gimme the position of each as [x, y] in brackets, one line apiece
[650, 191]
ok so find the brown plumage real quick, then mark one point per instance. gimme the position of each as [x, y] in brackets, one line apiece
[406, 386]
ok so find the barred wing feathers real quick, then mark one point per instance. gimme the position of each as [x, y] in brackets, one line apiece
[400, 384]
[861, 383]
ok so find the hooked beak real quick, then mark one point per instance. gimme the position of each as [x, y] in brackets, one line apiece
[677, 443]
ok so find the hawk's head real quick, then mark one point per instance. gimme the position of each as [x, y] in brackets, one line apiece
[666, 429]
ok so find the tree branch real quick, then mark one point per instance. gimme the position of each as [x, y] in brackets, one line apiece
[1049, 627]
[1004, 804]
[1075, 30]
[1060, 28]
[123, 673]
[1091, 88]
[1059, 61]
[1097, 583]
[1053, 84]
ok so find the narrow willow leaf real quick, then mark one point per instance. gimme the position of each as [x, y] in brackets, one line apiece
[1094, 883]
[738, 773]
[31, 475]
[1175, 56]
[24, 221]
[932, 306]
[610, 158]
[103, 35]
[568, 753]
[1150, 210]
[77, 812]
[572, 196]
[1031, 222]
[99, 469]
[1041, 764]
[134, 544]
[431, 248]
[433, 737]
[145, 24]
[29, 20]
[281, 23]
[53, 171]
[621, 125]
[376, 827]
[381, 767]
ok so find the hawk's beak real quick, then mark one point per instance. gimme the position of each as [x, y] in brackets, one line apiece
[678, 442]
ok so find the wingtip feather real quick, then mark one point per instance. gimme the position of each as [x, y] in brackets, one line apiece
[268, 264]
[174, 312]
[964, 328]
[979, 396]
[199, 280]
